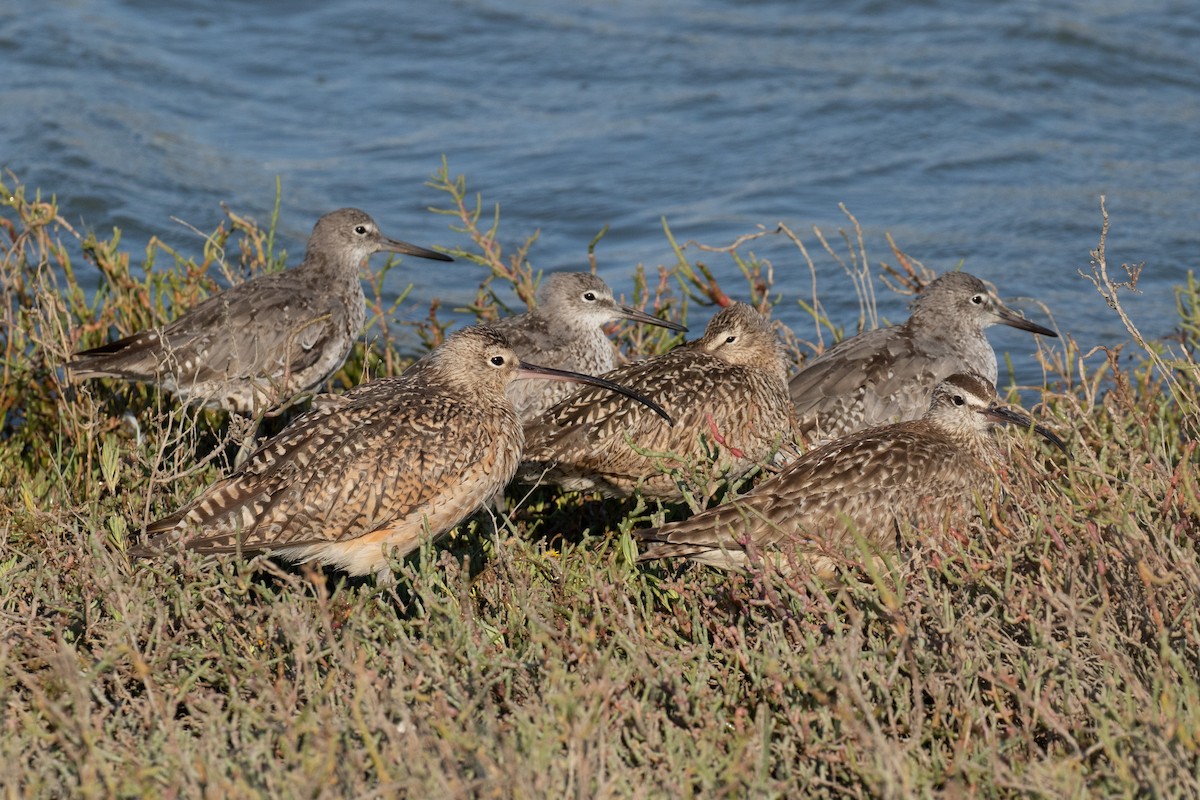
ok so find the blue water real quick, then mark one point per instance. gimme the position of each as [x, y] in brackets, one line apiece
[976, 133]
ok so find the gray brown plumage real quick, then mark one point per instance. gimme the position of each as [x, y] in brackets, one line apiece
[888, 374]
[726, 390]
[921, 472]
[385, 466]
[565, 331]
[260, 343]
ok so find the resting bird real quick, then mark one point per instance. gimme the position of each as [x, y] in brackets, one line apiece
[257, 345]
[921, 472]
[565, 331]
[888, 374]
[726, 390]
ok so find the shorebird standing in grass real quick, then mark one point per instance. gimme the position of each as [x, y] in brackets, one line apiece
[565, 331]
[377, 470]
[258, 344]
[888, 374]
[727, 391]
[922, 472]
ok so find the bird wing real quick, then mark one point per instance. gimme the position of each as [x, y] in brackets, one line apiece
[854, 483]
[343, 471]
[593, 424]
[882, 360]
[728, 417]
[262, 327]
[530, 336]
[256, 329]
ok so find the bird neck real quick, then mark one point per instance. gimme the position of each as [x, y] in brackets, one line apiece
[580, 327]
[333, 270]
[770, 360]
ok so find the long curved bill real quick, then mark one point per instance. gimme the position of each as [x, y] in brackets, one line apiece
[527, 370]
[633, 314]
[1008, 417]
[1014, 320]
[404, 248]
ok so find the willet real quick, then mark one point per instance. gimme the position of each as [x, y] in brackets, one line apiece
[888, 375]
[565, 331]
[260, 343]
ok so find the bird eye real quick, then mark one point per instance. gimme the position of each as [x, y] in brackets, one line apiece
[977, 299]
[589, 297]
[497, 361]
[958, 400]
[731, 338]
[361, 230]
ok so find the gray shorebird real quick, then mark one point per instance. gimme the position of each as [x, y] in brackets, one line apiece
[922, 472]
[888, 374]
[727, 391]
[565, 331]
[262, 342]
[381, 468]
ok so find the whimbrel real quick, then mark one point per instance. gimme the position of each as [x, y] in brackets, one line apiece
[565, 331]
[888, 374]
[921, 471]
[727, 391]
[383, 467]
[262, 342]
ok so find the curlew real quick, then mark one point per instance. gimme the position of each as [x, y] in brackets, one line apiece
[727, 391]
[920, 472]
[382, 468]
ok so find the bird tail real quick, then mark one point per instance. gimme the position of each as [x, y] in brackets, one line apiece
[131, 358]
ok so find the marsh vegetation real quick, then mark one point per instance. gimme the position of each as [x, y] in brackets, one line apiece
[1053, 649]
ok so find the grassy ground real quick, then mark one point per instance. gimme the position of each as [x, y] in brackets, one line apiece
[1053, 651]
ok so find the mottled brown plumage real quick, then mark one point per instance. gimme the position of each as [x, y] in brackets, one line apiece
[565, 331]
[921, 472]
[262, 342]
[888, 375]
[386, 466]
[726, 390]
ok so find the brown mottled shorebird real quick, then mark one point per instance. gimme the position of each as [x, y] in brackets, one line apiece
[921, 471]
[565, 331]
[385, 466]
[726, 390]
[262, 342]
[888, 375]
